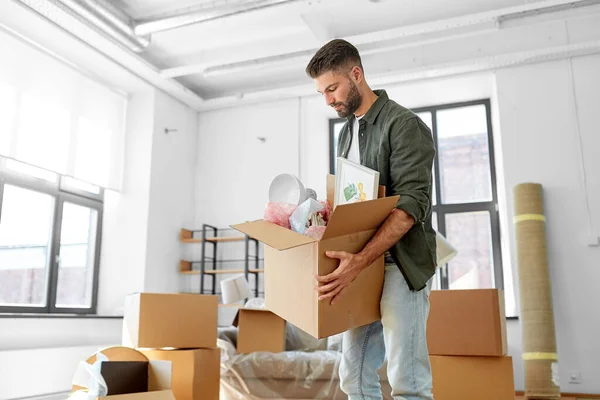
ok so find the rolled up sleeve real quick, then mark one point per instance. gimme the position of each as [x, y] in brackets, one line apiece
[411, 163]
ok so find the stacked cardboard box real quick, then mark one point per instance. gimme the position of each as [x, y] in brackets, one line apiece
[182, 329]
[259, 330]
[466, 337]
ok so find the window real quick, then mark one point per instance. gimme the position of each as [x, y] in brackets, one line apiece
[50, 228]
[464, 195]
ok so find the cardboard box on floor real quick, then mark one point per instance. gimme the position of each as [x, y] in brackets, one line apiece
[467, 323]
[259, 330]
[196, 373]
[292, 260]
[159, 320]
[128, 375]
[462, 378]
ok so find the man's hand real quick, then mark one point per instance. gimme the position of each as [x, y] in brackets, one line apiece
[333, 285]
[394, 227]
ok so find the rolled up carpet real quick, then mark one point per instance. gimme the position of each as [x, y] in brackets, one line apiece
[537, 315]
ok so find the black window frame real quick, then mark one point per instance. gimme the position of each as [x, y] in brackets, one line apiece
[62, 193]
[442, 210]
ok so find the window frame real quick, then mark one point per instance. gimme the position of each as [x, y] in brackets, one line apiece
[442, 210]
[61, 193]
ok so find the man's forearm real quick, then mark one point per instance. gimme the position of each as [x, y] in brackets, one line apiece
[394, 227]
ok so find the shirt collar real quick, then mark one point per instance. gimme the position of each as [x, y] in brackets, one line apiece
[376, 108]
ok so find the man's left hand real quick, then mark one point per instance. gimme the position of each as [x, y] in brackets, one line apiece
[334, 284]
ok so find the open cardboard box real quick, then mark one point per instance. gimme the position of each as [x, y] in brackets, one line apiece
[128, 375]
[292, 260]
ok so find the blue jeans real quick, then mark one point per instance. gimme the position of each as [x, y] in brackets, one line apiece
[399, 337]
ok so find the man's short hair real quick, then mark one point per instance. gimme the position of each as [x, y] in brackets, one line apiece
[335, 56]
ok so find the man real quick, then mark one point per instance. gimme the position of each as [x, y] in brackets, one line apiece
[389, 138]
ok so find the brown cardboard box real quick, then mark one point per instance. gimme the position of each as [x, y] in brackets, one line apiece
[292, 260]
[196, 373]
[259, 330]
[467, 323]
[159, 320]
[128, 375]
[465, 378]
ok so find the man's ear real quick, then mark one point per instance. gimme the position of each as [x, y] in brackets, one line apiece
[356, 74]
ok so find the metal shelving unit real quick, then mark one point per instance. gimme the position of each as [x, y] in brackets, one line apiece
[210, 264]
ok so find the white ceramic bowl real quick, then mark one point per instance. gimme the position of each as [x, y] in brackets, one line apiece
[287, 188]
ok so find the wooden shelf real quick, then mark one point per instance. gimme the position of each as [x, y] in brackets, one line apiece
[191, 240]
[187, 236]
[226, 239]
[185, 266]
[209, 261]
[222, 271]
[232, 271]
[214, 236]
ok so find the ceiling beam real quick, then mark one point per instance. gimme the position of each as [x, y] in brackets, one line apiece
[395, 38]
[441, 70]
[206, 12]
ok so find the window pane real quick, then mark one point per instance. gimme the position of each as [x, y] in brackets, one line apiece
[77, 254]
[25, 237]
[433, 188]
[426, 117]
[463, 154]
[470, 234]
[436, 278]
[31, 170]
[337, 128]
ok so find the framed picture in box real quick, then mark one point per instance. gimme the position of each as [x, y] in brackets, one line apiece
[354, 183]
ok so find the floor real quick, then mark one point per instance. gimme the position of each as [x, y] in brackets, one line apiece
[566, 398]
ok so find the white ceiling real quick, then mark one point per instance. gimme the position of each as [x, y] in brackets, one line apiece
[266, 50]
[287, 28]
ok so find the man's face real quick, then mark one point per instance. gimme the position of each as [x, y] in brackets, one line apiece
[340, 92]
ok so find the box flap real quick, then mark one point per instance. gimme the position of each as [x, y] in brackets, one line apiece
[236, 319]
[118, 353]
[273, 235]
[358, 217]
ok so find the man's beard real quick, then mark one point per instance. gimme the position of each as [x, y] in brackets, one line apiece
[352, 102]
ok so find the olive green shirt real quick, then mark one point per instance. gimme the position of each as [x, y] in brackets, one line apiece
[394, 141]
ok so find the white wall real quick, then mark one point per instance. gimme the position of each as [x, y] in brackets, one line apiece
[171, 191]
[141, 248]
[539, 132]
[124, 238]
[235, 168]
[40, 372]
